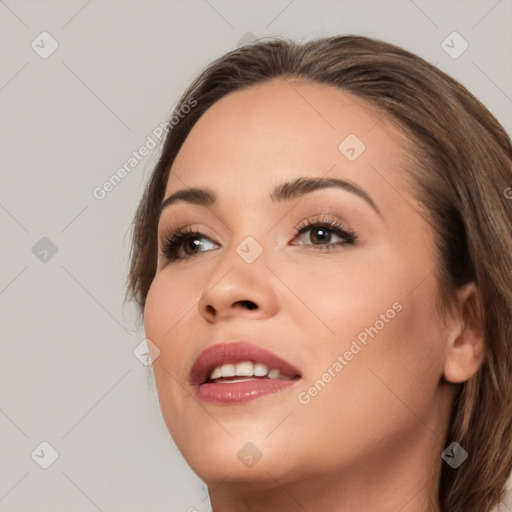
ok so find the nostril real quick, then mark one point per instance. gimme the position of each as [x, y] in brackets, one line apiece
[247, 303]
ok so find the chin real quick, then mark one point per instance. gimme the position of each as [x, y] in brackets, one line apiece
[236, 459]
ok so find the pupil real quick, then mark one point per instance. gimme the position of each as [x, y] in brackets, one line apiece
[323, 236]
[192, 244]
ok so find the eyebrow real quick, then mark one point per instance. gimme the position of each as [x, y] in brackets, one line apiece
[283, 192]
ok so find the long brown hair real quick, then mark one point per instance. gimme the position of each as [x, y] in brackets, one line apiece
[461, 170]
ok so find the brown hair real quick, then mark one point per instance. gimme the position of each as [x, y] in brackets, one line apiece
[461, 169]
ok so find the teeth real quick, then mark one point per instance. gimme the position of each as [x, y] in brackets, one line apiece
[260, 370]
[227, 370]
[245, 369]
[216, 374]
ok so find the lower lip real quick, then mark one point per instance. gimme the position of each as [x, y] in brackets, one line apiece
[241, 392]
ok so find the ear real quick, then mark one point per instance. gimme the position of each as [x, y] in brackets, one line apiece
[465, 350]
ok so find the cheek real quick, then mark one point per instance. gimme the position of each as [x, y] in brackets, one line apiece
[169, 302]
[381, 391]
[340, 298]
[157, 302]
[382, 324]
[167, 326]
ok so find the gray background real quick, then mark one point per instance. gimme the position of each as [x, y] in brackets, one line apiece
[68, 122]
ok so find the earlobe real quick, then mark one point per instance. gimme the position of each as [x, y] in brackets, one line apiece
[465, 350]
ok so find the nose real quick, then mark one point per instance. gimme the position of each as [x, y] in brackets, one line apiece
[236, 288]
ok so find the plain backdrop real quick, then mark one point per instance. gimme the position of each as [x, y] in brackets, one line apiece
[82, 85]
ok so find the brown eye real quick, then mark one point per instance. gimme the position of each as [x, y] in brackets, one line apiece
[184, 244]
[321, 234]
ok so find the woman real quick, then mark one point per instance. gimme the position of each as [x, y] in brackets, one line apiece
[322, 258]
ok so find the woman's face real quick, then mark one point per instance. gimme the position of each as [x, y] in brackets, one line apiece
[336, 282]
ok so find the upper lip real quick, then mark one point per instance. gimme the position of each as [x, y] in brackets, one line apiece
[232, 353]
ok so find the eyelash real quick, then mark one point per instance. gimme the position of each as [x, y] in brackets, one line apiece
[173, 242]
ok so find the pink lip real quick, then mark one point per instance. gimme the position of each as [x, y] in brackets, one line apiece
[239, 392]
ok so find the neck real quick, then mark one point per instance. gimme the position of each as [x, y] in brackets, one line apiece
[402, 477]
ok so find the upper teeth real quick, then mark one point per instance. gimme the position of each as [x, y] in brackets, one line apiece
[245, 369]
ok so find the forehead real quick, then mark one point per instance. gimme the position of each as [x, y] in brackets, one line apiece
[257, 137]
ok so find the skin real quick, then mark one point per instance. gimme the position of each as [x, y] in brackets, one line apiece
[372, 438]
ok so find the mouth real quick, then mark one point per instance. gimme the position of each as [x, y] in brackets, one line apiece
[236, 372]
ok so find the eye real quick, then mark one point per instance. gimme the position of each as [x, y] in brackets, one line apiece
[184, 243]
[321, 234]
[187, 242]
